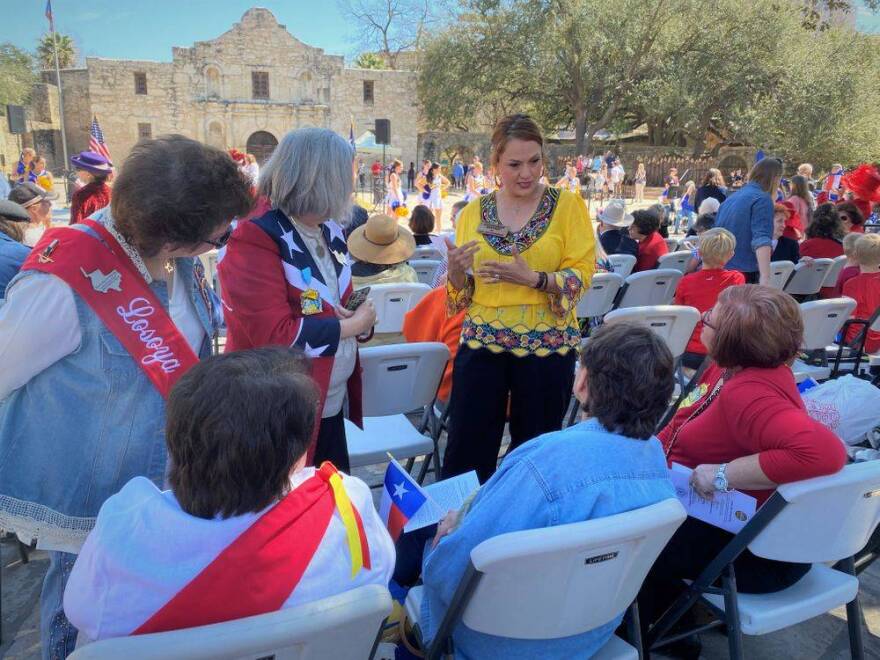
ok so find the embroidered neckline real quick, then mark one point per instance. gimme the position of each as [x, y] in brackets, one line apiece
[106, 219]
[529, 234]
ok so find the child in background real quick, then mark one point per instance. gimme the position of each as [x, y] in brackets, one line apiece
[703, 224]
[687, 207]
[864, 288]
[851, 269]
[701, 289]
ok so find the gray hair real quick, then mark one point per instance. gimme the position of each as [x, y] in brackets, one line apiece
[310, 172]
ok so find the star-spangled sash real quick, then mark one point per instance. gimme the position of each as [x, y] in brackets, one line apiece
[260, 569]
[105, 277]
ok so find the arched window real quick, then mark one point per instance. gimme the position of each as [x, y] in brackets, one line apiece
[261, 144]
[212, 82]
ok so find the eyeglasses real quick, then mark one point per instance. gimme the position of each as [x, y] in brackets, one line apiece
[222, 240]
[705, 318]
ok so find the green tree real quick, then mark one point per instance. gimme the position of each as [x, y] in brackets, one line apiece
[46, 51]
[370, 61]
[17, 75]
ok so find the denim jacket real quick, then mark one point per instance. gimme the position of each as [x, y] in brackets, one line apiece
[12, 256]
[79, 430]
[577, 474]
[748, 215]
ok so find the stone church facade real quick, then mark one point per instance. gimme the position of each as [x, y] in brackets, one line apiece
[244, 89]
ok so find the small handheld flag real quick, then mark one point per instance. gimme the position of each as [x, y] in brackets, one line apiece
[401, 498]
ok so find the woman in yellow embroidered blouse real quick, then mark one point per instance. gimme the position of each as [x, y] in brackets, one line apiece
[525, 254]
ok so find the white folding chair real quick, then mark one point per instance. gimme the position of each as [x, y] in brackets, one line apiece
[343, 627]
[650, 287]
[534, 584]
[623, 264]
[817, 521]
[393, 301]
[837, 265]
[780, 273]
[397, 379]
[599, 298]
[808, 277]
[427, 252]
[671, 244]
[675, 260]
[426, 269]
[822, 320]
[673, 323]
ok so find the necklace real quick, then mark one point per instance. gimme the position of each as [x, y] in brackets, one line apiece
[314, 233]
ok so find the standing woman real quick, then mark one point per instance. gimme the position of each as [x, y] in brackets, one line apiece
[436, 182]
[411, 176]
[286, 276]
[44, 176]
[640, 180]
[531, 250]
[712, 186]
[394, 197]
[570, 181]
[475, 183]
[101, 321]
[92, 169]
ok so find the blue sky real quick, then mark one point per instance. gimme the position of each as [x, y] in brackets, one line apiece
[147, 29]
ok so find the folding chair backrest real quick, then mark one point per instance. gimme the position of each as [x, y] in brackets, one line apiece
[398, 378]
[623, 264]
[561, 581]
[427, 252]
[823, 320]
[808, 277]
[671, 244]
[393, 301]
[674, 323]
[676, 260]
[837, 265]
[780, 272]
[599, 298]
[650, 287]
[426, 269]
[826, 518]
[342, 627]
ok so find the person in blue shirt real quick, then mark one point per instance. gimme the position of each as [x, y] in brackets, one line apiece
[609, 464]
[458, 174]
[14, 218]
[748, 215]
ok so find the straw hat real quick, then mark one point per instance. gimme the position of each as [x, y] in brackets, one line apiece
[381, 241]
[615, 214]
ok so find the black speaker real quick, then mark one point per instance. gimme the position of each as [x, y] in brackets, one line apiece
[383, 131]
[15, 116]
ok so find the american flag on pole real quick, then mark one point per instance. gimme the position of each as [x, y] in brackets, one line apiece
[96, 139]
[49, 14]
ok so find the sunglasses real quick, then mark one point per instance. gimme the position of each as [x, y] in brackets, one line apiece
[222, 240]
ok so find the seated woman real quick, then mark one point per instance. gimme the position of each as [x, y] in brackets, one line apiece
[421, 223]
[614, 223]
[13, 220]
[745, 428]
[824, 234]
[237, 431]
[645, 230]
[607, 465]
[785, 248]
[381, 247]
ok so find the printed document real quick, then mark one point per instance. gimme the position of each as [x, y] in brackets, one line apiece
[443, 497]
[730, 511]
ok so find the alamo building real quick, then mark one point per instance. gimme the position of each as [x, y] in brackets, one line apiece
[244, 89]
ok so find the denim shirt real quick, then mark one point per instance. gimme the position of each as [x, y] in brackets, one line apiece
[577, 474]
[12, 256]
[748, 215]
[79, 430]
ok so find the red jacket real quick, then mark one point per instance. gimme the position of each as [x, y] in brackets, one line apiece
[758, 411]
[88, 199]
[650, 250]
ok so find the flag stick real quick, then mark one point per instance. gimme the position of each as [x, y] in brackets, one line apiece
[60, 102]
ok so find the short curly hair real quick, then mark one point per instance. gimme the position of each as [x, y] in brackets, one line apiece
[646, 221]
[173, 190]
[825, 223]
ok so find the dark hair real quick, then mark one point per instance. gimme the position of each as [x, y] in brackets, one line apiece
[630, 378]
[518, 126]
[825, 223]
[646, 221]
[13, 229]
[178, 191]
[422, 220]
[237, 424]
[855, 215]
[705, 222]
[756, 326]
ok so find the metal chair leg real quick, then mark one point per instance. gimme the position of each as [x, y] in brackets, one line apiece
[854, 617]
[731, 614]
[634, 629]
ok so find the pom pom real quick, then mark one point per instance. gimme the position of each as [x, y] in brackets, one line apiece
[443, 194]
[401, 212]
[864, 182]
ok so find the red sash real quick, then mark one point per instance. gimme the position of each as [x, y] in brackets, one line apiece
[105, 277]
[259, 570]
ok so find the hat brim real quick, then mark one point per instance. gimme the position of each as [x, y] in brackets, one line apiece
[625, 221]
[360, 247]
[88, 167]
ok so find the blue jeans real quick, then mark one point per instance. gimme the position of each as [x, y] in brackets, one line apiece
[57, 634]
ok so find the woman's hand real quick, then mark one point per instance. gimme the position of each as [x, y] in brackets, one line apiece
[516, 272]
[360, 322]
[703, 480]
[460, 260]
[447, 524]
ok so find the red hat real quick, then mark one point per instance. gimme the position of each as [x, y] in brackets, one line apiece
[864, 183]
[237, 156]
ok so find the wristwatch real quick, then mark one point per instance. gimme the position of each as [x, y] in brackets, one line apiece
[720, 481]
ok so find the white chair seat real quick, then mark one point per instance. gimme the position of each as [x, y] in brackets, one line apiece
[818, 592]
[392, 434]
[615, 649]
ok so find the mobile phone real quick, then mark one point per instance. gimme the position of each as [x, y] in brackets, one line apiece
[357, 299]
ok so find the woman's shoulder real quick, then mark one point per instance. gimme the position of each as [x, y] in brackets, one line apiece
[753, 380]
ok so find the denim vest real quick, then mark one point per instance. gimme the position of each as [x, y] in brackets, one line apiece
[12, 256]
[78, 431]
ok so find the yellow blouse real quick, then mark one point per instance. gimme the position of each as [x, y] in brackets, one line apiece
[558, 239]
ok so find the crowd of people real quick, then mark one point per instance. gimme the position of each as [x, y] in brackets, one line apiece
[119, 429]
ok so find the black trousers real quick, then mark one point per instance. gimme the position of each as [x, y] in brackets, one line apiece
[538, 388]
[690, 550]
[752, 276]
[331, 444]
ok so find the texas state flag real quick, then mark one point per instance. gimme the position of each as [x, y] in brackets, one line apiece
[401, 498]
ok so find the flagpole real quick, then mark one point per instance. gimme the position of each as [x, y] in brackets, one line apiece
[60, 104]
